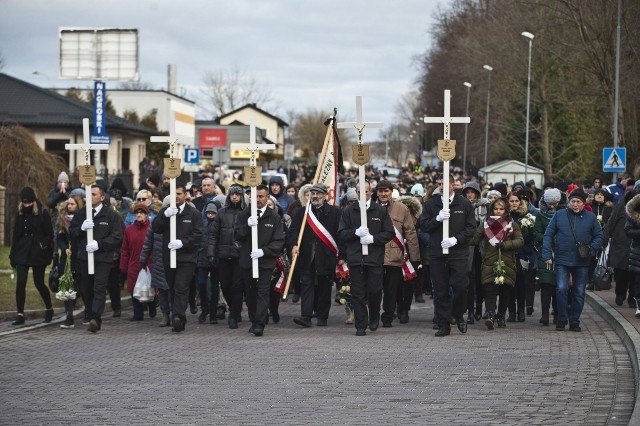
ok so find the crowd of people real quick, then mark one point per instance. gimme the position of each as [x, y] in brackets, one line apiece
[484, 252]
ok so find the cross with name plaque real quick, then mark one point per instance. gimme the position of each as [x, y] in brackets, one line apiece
[360, 156]
[446, 152]
[253, 178]
[87, 177]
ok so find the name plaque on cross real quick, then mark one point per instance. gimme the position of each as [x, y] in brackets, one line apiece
[361, 158]
[87, 176]
[446, 152]
[255, 178]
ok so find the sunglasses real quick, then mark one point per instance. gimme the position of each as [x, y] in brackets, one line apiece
[141, 199]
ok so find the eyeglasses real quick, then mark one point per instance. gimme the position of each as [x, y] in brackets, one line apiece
[141, 199]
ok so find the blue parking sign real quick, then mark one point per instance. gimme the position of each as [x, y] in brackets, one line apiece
[614, 159]
[192, 155]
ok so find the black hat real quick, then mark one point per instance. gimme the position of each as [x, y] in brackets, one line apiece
[154, 179]
[578, 193]
[384, 184]
[27, 194]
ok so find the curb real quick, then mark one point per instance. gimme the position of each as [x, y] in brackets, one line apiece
[630, 339]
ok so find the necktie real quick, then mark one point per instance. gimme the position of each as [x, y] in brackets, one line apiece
[93, 213]
[259, 213]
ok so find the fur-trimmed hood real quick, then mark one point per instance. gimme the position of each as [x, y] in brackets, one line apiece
[633, 209]
[413, 203]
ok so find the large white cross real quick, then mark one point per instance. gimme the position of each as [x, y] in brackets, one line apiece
[87, 147]
[253, 147]
[446, 122]
[173, 141]
[359, 125]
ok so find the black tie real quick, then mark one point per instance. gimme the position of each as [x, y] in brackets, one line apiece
[93, 213]
[259, 213]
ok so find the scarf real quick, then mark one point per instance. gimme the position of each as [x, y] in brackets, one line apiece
[498, 228]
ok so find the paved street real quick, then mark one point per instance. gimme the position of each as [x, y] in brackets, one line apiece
[135, 373]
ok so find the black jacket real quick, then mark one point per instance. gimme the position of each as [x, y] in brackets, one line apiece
[270, 238]
[32, 241]
[325, 259]
[380, 226]
[462, 224]
[188, 230]
[107, 231]
[222, 242]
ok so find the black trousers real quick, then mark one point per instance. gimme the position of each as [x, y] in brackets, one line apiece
[258, 291]
[449, 273]
[366, 293]
[497, 293]
[21, 286]
[547, 297]
[524, 279]
[475, 295]
[179, 280]
[94, 288]
[315, 293]
[232, 286]
[624, 283]
[113, 288]
[391, 283]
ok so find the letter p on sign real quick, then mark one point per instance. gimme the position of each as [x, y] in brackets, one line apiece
[192, 155]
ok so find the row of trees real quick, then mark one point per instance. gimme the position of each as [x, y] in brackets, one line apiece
[572, 81]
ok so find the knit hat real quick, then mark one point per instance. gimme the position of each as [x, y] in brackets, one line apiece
[492, 193]
[141, 206]
[352, 195]
[552, 195]
[77, 191]
[211, 207]
[154, 179]
[27, 194]
[63, 177]
[235, 189]
[517, 186]
[502, 188]
[417, 190]
[578, 193]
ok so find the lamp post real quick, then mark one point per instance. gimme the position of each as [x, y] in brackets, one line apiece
[466, 128]
[526, 135]
[486, 124]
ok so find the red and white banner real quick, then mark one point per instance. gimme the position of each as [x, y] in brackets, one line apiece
[280, 285]
[408, 273]
[328, 167]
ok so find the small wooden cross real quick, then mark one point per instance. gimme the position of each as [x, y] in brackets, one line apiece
[446, 152]
[361, 157]
[87, 175]
[253, 177]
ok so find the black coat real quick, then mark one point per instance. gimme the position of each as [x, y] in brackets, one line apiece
[380, 226]
[32, 242]
[270, 238]
[222, 243]
[188, 230]
[324, 260]
[617, 239]
[108, 231]
[632, 229]
[462, 224]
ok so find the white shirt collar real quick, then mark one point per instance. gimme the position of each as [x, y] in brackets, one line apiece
[97, 209]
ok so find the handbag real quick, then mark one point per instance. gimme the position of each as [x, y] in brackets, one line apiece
[54, 277]
[603, 274]
[584, 250]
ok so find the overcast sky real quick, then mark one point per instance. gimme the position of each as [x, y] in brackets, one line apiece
[310, 54]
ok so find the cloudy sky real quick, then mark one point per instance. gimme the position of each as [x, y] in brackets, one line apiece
[310, 54]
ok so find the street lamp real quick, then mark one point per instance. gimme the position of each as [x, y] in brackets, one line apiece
[486, 125]
[526, 136]
[466, 128]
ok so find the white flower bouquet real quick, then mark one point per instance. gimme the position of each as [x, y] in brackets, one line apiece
[66, 287]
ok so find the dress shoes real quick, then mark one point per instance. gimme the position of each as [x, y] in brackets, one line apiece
[94, 326]
[462, 325]
[373, 325]
[321, 322]
[361, 332]
[276, 318]
[134, 318]
[258, 330]
[575, 327]
[619, 300]
[403, 318]
[295, 298]
[117, 313]
[470, 319]
[233, 323]
[511, 317]
[178, 325]
[443, 331]
[386, 324]
[202, 318]
[251, 329]
[303, 321]
[193, 307]
[545, 319]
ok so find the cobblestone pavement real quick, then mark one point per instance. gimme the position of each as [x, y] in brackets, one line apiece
[135, 373]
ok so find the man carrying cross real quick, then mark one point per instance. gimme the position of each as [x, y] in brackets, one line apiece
[318, 253]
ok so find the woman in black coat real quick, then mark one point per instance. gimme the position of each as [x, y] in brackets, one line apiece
[31, 246]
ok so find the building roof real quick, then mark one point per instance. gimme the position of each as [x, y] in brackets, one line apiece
[32, 106]
[510, 166]
[254, 107]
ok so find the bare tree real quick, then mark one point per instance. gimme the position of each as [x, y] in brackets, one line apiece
[308, 131]
[135, 85]
[226, 90]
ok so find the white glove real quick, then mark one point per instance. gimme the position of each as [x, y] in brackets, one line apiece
[171, 211]
[362, 231]
[449, 242]
[256, 254]
[175, 245]
[92, 246]
[87, 224]
[252, 221]
[444, 214]
[367, 239]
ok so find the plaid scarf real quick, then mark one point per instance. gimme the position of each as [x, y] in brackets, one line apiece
[497, 228]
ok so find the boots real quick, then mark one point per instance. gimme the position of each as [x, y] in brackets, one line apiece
[68, 322]
[501, 321]
[48, 315]
[470, 317]
[490, 318]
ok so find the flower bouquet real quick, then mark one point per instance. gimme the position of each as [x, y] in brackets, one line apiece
[527, 223]
[66, 283]
[498, 269]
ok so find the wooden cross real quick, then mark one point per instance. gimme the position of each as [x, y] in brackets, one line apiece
[253, 177]
[172, 170]
[361, 157]
[87, 174]
[446, 152]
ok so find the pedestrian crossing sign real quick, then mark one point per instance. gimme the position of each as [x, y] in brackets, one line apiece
[614, 159]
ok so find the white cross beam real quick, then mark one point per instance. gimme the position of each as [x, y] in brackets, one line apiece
[359, 125]
[173, 141]
[253, 147]
[446, 122]
[87, 147]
